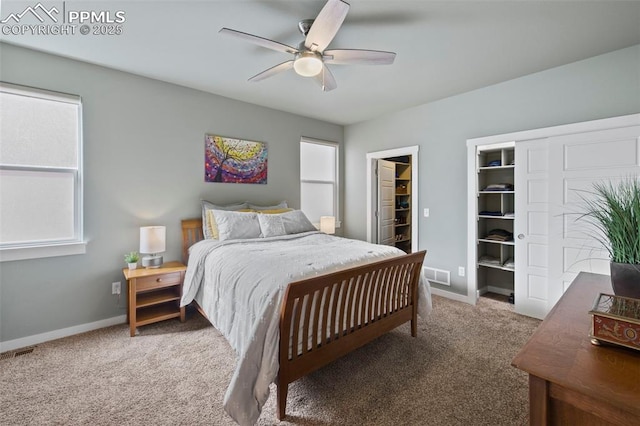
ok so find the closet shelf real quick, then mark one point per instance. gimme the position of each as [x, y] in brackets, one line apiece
[490, 265]
[508, 166]
[508, 243]
[496, 192]
[486, 216]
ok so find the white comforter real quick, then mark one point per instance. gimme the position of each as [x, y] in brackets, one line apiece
[240, 285]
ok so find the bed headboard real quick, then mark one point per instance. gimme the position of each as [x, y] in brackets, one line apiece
[191, 234]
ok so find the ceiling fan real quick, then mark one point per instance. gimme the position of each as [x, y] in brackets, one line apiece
[310, 58]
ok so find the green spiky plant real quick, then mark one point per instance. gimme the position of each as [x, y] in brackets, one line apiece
[614, 210]
[132, 257]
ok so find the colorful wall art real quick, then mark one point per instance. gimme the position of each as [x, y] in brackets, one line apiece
[234, 160]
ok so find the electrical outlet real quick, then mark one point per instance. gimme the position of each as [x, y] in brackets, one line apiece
[115, 287]
[425, 213]
[461, 271]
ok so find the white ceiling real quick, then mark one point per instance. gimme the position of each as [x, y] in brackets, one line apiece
[443, 48]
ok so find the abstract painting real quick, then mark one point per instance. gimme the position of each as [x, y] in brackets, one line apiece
[234, 160]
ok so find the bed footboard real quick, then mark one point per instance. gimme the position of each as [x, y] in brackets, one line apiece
[325, 317]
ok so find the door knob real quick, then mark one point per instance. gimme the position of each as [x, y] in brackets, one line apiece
[521, 236]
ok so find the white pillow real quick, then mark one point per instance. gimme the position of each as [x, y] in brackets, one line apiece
[237, 225]
[271, 225]
[296, 222]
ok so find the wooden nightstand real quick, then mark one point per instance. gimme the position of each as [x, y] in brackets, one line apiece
[154, 294]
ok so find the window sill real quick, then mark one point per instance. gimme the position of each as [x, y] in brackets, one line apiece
[37, 252]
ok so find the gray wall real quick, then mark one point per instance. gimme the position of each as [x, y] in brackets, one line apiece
[143, 165]
[599, 87]
[141, 133]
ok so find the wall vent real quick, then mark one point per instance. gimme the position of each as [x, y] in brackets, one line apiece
[17, 352]
[439, 276]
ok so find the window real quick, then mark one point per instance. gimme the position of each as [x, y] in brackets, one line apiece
[40, 173]
[318, 179]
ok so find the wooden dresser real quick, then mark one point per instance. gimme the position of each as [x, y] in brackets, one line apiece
[571, 381]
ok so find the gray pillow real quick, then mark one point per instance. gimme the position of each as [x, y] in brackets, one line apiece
[296, 222]
[209, 230]
[281, 205]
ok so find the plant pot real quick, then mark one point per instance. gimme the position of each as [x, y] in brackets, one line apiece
[625, 279]
[133, 265]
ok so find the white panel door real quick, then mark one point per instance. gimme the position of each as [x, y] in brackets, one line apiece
[531, 227]
[576, 161]
[386, 202]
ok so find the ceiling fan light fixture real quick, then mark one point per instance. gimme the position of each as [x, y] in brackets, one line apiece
[307, 64]
[310, 58]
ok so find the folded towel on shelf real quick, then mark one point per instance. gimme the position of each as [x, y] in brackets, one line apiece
[489, 260]
[509, 263]
[499, 187]
[499, 235]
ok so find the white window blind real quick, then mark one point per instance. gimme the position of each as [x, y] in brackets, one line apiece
[40, 173]
[318, 179]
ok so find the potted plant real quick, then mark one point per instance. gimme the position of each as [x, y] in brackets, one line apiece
[132, 259]
[614, 210]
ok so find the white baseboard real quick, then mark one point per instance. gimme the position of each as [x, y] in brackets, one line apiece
[452, 296]
[10, 345]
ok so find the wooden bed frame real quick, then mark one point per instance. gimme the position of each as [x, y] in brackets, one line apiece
[325, 317]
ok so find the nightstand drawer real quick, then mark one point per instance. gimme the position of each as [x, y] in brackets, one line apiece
[158, 281]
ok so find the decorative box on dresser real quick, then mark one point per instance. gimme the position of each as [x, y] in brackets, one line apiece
[572, 381]
[154, 294]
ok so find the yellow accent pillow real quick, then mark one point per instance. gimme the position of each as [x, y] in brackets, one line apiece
[213, 226]
[273, 211]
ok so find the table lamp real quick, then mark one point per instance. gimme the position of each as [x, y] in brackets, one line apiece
[152, 242]
[328, 224]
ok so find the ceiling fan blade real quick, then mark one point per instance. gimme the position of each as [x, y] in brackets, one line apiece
[326, 79]
[358, 56]
[326, 25]
[260, 41]
[272, 71]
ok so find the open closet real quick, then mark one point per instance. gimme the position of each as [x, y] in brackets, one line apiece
[392, 198]
[394, 201]
[525, 195]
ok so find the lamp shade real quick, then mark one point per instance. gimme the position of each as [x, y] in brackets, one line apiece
[328, 224]
[152, 239]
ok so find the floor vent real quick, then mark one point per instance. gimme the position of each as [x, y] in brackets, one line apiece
[439, 276]
[17, 353]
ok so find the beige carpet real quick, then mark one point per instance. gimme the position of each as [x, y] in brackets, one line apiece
[457, 372]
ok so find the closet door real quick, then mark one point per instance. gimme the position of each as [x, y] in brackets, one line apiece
[531, 227]
[386, 202]
[576, 161]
